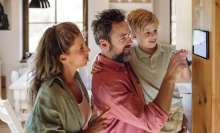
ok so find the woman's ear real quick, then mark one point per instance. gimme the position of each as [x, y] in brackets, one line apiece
[62, 58]
[104, 44]
[133, 36]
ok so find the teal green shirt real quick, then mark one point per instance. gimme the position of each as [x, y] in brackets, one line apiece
[151, 69]
[56, 110]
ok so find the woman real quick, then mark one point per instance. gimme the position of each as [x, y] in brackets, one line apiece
[57, 95]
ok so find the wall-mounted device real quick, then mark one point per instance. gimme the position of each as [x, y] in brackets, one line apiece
[201, 43]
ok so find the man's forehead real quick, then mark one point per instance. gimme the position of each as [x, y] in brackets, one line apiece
[120, 28]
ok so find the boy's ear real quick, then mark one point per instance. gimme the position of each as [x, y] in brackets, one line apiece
[104, 44]
[133, 36]
[62, 58]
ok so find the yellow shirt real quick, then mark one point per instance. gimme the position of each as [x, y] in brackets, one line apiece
[151, 69]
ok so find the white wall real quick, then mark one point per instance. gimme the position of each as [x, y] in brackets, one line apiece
[184, 25]
[127, 7]
[94, 6]
[184, 28]
[11, 45]
[161, 8]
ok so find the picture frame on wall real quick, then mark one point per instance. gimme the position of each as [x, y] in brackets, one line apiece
[5, 13]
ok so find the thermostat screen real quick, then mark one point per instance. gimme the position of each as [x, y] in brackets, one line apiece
[201, 43]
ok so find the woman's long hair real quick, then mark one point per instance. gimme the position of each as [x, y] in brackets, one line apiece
[56, 40]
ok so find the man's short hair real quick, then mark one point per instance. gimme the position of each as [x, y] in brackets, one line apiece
[102, 25]
[140, 18]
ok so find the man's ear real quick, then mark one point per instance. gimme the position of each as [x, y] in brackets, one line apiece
[133, 36]
[62, 58]
[104, 44]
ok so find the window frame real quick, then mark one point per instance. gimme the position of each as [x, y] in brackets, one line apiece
[26, 25]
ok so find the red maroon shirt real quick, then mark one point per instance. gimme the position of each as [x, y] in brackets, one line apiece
[117, 88]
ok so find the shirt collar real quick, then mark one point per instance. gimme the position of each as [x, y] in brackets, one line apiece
[142, 54]
[111, 63]
[56, 79]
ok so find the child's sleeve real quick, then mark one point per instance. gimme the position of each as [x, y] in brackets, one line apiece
[172, 51]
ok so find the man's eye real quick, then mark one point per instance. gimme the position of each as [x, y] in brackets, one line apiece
[155, 30]
[147, 33]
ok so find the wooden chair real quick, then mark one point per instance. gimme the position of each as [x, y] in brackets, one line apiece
[8, 116]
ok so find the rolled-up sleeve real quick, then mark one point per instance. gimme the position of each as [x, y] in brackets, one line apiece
[128, 108]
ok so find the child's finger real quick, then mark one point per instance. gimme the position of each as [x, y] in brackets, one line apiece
[96, 69]
[97, 64]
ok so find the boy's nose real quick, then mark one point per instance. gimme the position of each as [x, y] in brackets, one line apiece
[153, 34]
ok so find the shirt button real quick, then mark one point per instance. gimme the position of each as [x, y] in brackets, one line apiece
[117, 69]
[125, 72]
[121, 64]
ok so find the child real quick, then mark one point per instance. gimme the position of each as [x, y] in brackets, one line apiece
[149, 61]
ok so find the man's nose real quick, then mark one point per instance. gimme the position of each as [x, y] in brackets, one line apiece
[130, 40]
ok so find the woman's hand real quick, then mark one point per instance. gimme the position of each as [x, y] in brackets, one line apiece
[98, 125]
[96, 67]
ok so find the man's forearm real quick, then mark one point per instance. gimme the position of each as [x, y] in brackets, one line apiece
[186, 74]
[165, 95]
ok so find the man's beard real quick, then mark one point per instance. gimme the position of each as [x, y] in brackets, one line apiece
[122, 57]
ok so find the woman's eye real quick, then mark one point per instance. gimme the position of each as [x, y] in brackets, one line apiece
[81, 47]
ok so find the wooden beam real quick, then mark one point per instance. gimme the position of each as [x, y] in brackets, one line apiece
[205, 73]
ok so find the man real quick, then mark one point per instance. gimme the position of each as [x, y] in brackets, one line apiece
[117, 88]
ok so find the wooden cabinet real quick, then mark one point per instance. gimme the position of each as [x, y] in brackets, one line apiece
[205, 73]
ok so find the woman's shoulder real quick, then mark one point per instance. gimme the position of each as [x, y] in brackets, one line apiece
[53, 86]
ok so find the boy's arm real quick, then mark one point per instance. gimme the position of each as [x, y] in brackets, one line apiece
[186, 75]
[96, 66]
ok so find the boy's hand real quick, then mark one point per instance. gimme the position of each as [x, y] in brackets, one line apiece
[176, 66]
[184, 53]
[96, 67]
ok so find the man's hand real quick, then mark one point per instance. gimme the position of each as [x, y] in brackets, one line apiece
[184, 124]
[96, 67]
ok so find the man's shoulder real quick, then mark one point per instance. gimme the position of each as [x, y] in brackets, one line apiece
[107, 75]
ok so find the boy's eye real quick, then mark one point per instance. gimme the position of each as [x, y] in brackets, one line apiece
[123, 38]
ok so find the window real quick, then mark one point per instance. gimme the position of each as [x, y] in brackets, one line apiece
[37, 20]
[173, 22]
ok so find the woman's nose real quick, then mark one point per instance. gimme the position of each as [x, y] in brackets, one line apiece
[87, 49]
